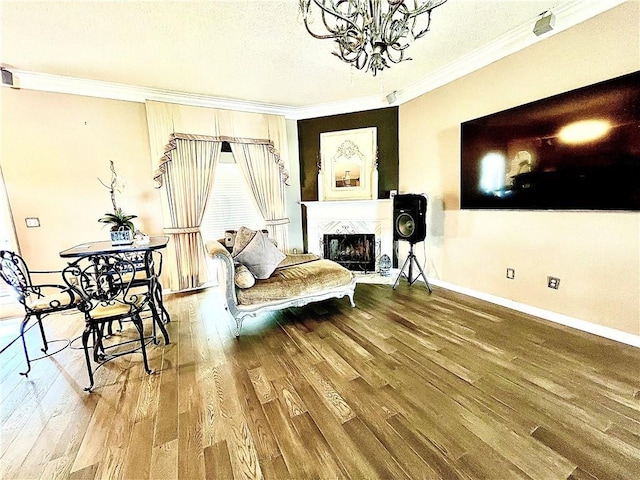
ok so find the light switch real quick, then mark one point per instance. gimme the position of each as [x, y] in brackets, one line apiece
[32, 222]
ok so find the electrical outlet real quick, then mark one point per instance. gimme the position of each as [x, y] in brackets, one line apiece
[553, 282]
[32, 222]
[511, 273]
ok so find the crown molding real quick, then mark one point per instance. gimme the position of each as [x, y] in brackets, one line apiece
[131, 93]
[337, 108]
[567, 15]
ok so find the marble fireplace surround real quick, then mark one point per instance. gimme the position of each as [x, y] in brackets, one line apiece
[350, 216]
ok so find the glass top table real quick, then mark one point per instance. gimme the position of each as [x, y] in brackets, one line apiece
[105, 247]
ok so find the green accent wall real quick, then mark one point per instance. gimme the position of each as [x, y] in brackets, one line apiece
[309, 130]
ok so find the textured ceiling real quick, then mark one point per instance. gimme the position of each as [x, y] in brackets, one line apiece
[256, 51]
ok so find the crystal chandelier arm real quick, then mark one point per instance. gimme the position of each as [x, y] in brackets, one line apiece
[305, 7]
[427, 8]
[394, 29]
[356, 56]
[426, 29]
[400, 57]
[419, 10]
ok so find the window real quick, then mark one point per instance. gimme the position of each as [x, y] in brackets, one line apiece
[231, 204]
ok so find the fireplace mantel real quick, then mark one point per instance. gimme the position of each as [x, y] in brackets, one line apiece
[382, 201]
[351, 208]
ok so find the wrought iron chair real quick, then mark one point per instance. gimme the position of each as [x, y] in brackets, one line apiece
[148, 267]
[38, 300]
[105, 287]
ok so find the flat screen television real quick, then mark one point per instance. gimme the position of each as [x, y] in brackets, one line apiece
[579, 150]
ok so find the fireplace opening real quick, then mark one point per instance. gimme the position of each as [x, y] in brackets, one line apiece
[354, 251]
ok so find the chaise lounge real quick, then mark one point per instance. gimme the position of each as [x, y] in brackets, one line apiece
[295, 279]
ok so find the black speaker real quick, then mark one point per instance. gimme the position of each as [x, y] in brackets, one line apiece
[409, 217]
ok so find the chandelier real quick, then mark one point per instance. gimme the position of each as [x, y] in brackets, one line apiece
[370, 34]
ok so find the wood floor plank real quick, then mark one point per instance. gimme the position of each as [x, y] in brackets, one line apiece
[251, 405]
[261, 384]
[217, 461]
[345, 451]
[137, 463]
[361, 364]
[164, 461]
[290, 443]
[438, 461]
[58, 468]
[246, 463]
[333, 358]
[540, 462]
[190, 448]
[596, 460]
[289, 397]
[328, 466]
[374, 416]
[383, 463]
[325, 390]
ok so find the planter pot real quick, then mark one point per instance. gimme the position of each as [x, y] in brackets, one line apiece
[121, 237]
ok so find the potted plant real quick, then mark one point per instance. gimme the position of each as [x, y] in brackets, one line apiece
[122, 227]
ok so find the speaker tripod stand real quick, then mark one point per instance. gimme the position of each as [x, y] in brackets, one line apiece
[411, 259]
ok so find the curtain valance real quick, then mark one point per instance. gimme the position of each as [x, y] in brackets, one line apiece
[164, 119]
[171, 147]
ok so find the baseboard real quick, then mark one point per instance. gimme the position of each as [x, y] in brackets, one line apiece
[601, 331]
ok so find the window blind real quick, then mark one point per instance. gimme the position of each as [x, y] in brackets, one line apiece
[230, 205]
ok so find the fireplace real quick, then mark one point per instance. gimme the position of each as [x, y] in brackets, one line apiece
[355, 217]
[354, 251]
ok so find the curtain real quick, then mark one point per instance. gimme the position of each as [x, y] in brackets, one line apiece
[188, 178]
[266, 180]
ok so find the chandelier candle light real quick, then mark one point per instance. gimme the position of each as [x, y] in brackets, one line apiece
[370, 33]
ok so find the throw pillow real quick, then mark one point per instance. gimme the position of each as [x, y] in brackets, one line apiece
[243, 277]
[243, 237]
[260, 256]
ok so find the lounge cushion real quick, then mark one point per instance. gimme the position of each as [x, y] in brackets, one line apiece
[243, 277]
[303, 279]
[293, 259]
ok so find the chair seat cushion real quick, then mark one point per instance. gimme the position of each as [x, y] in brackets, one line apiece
[100, 312]
[51, 301]
[295, 281]
[140, 275]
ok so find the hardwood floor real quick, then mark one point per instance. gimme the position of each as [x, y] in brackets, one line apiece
[405, 385]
